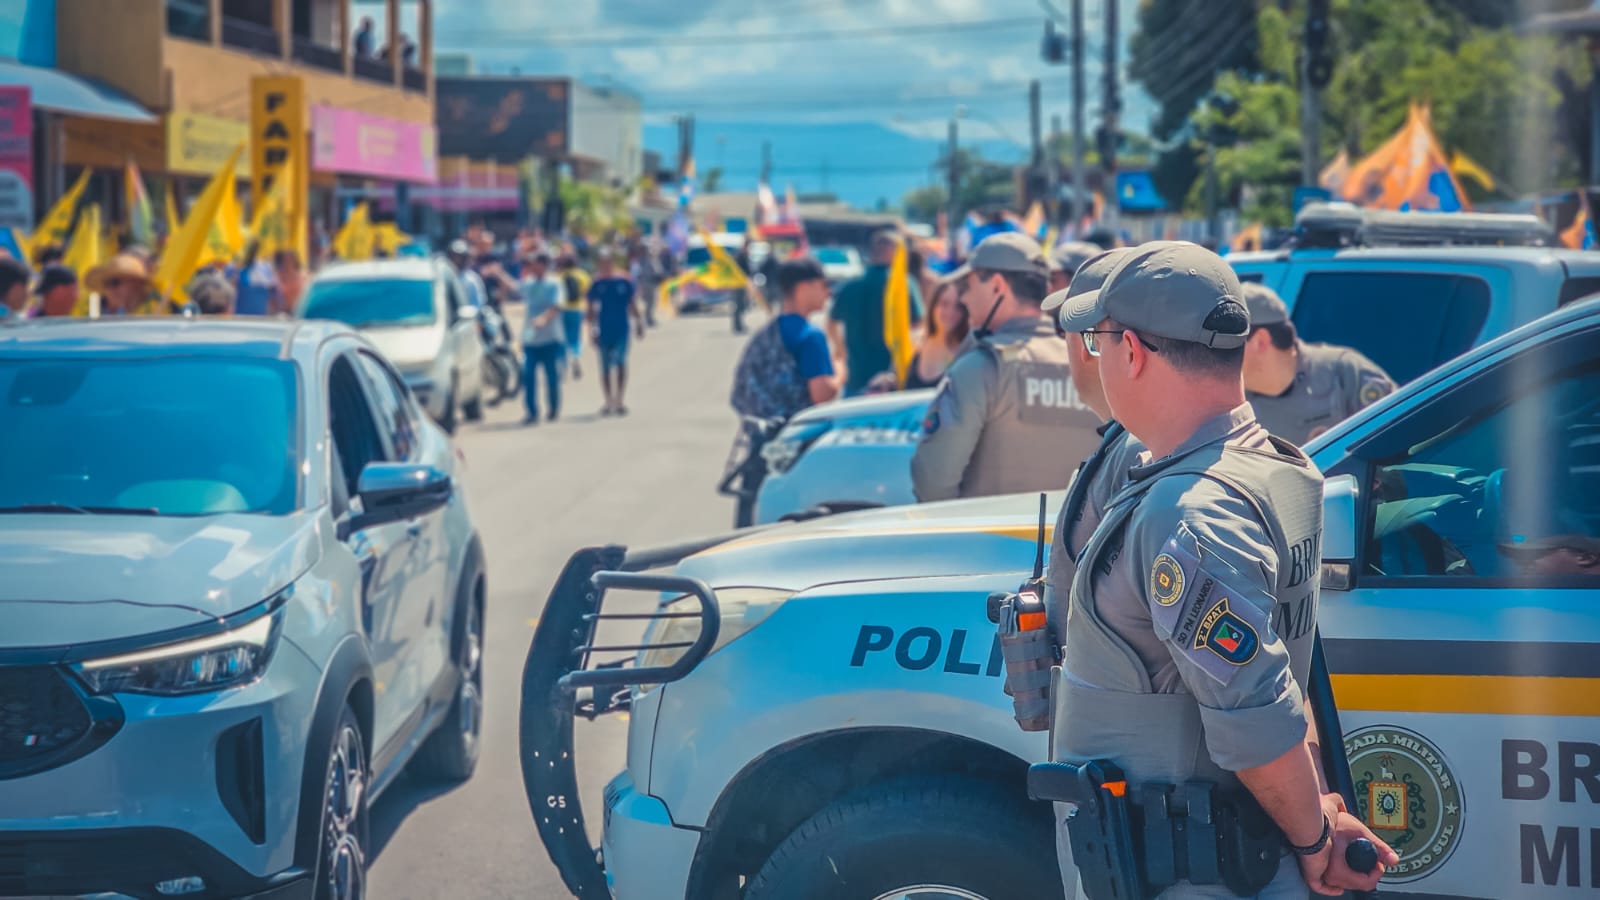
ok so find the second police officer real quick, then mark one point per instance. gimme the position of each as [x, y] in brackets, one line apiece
[1009, 392]
[1192, 610]
[1297, 389]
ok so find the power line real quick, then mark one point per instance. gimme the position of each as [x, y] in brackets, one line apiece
[500, 37]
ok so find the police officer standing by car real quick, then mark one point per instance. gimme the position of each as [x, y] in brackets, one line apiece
[1300, 390]
[1192, 612]
[1009, 392]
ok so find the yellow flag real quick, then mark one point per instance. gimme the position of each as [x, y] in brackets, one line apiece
[173, 222]
[1463, 165]
[57, 222]
[181, 257]
[272, 222]
[354, 239]
[86, 250]
[230, 221]
[390, 238]
[897, 314]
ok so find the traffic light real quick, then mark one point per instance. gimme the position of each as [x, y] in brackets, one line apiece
[1054, 47]
[1319, 55]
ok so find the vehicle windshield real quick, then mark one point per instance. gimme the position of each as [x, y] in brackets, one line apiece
[177, 436]
[372, 302]
[833, 256]
[697, 256]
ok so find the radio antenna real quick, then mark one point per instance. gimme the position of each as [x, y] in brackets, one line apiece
[1038, 553]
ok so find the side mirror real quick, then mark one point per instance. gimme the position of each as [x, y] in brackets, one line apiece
[1339, 530]
[393, 492]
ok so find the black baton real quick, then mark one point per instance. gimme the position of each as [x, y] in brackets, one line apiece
[1361, 855]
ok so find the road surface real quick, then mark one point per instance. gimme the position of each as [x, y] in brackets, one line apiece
[537, 494]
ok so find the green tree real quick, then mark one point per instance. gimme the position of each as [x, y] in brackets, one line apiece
[924, 203]
[713, 180]
[983, 184]
[594, 210]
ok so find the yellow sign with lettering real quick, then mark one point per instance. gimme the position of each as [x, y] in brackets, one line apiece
[199, 144]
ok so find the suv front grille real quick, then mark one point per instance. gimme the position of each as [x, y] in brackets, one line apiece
[40, 717]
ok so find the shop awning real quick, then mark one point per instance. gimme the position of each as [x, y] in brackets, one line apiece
[64, 92]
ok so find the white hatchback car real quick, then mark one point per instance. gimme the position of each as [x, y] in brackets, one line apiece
[416, 312]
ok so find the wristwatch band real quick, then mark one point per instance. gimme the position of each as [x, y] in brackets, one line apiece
[1314, 849]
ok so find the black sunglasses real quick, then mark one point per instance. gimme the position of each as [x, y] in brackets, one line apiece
[1092, 346]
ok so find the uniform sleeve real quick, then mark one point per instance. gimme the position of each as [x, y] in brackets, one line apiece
[1208, 571]
[951, 429]
[1366, 384]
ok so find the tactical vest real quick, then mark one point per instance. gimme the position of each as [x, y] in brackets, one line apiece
[1104, 707]
[1037, 430]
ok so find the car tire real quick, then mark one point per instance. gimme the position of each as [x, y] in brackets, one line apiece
[451, 752]
[343, 841]
[935, 836]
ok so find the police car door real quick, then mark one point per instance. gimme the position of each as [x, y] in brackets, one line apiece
[1464, 634]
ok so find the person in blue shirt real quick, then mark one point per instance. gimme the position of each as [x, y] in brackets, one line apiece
[612, 311]
[805, 292]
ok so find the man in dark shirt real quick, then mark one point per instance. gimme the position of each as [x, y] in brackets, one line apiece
[612, 309]
[858, 313]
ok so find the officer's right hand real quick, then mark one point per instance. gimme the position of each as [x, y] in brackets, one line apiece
[1339, 876]
[1314, 869]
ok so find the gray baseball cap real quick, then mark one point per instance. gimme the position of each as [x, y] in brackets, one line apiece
[1168, 289]
[1089, 276]
[1266, 307]
[1008, 251]
[1069, 256]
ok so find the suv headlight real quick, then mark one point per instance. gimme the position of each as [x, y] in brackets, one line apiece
[201, 664]
[783, 451]
[743, 608]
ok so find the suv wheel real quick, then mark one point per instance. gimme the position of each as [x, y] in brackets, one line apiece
[342, 866]
[451, 752]
[932, 838]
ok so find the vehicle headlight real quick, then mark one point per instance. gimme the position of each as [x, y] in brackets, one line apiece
[783, 451]
[209, 663]
[742, 609]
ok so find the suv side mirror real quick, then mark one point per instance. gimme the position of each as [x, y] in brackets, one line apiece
[466, 311]
[392, 492]
[1339, 530]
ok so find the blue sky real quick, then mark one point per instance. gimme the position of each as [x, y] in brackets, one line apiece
[901, 65]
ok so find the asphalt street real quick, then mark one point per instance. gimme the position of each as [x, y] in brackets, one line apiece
[537, 494]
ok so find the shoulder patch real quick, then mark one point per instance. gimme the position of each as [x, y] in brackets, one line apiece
[930, 422]
[1373, 390]
[1201, 611]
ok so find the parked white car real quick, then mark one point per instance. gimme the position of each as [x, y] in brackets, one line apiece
[416, 312]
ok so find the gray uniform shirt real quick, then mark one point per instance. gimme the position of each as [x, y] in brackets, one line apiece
[1071, 537]
[1330, 384]
[1252, 710]
[1006, 419]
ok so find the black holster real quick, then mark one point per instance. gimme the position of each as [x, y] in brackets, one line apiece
[1130, 847]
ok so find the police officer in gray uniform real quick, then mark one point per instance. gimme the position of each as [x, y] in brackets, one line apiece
[1193, 606]
[1300, 390]
[1009, 392]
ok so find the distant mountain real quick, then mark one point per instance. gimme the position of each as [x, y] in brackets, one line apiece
[863, 163]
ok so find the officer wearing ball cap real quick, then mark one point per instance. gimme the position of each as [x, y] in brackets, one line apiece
[1298, 389]
[1065, 260]
[1193, 605]
[1009, 393]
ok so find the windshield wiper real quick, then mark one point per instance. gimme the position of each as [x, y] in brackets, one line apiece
[81, 510]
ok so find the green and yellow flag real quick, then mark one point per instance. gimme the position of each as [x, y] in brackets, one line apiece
[897, 314]
[390, 238]
[185, 248]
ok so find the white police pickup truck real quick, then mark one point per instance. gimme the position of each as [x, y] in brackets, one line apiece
[817, 708]
[1408, 308]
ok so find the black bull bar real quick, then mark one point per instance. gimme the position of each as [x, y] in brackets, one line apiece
[560, 681]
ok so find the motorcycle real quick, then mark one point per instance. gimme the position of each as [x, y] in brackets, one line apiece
[502, 366]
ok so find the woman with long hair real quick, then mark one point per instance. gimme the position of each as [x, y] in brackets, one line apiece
[947, 330]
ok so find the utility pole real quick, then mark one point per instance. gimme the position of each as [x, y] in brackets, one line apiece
[1035, 134]
[766, 163]
[953, 213]
[1110, 107]
[824, 174]
[1080, 185]
[1052, 173]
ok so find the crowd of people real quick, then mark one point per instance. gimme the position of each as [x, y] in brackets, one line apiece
[44, 287]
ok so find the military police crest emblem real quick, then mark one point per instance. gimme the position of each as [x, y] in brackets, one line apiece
[1408, 795]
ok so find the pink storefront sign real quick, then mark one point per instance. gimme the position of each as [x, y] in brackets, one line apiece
[355, 143]
[16, 157]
